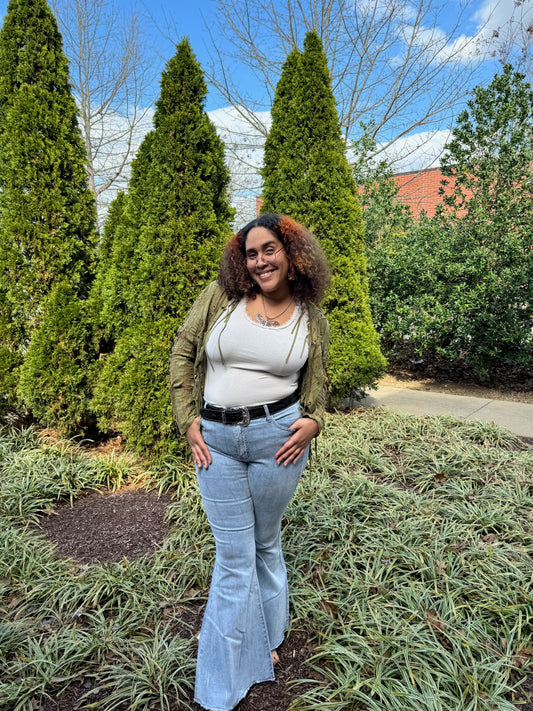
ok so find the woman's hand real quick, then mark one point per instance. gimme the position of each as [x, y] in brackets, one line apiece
[200, 453]
[305, 429]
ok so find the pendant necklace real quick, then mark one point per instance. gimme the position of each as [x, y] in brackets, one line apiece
[267, 320]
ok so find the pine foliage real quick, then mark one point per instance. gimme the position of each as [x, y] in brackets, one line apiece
[307, 176]
[166, 246]
[47, 212]
[56, 377]
[102, 306]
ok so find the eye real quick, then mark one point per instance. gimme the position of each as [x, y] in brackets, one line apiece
[270, 251]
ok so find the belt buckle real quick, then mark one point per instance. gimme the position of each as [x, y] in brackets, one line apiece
[245, 421]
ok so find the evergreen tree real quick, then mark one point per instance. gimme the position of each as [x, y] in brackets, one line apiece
[47, 213]
[114, 293]
[285, 145]
[166, 247]
[102, 307]
[307, 176]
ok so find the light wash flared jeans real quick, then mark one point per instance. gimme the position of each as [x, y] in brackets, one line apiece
[244, 493]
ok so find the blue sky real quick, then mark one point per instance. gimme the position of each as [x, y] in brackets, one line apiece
[166, 22]
[190, 17]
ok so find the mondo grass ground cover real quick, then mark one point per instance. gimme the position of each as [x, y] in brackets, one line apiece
[409, 549]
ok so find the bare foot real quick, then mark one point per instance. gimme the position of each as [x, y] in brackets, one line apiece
[275, 657]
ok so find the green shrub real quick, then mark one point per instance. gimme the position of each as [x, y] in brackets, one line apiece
[460, 286]
[58, 370]
[436, 291]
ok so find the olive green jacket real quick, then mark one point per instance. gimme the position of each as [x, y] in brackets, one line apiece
[188, 361]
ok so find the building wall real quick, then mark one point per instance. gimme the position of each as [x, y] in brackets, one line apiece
[418, 189]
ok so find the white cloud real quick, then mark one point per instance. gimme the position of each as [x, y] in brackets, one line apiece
[418, 151]
[500, 25]
[244, 154]
[112, 134]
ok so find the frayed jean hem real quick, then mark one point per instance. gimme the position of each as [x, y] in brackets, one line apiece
[241, 697]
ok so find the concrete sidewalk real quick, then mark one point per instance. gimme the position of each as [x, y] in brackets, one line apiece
[517, 417]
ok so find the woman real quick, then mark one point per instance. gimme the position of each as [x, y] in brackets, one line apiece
[248, 388]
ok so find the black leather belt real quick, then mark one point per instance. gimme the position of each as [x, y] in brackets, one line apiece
[243, 415]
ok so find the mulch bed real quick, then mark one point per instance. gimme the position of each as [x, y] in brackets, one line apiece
[506, 378]
[129, 523]
[108, 527]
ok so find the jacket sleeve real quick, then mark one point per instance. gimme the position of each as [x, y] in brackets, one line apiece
[318, 385]
[183, 361]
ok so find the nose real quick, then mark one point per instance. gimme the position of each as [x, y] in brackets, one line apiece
[260, 259]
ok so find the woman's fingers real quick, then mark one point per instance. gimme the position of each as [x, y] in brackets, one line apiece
[201, 456]
[304, 431]
[199, 449]
[290, 453]
[295, 446]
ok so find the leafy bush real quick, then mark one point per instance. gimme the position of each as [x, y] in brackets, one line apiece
[459, 286]
[439, 291]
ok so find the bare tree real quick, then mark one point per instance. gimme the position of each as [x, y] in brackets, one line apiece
[513, 38]
[390, 63]
[393, 68]
[110, 73]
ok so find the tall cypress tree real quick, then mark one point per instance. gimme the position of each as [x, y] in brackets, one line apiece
[307, 176]
[166, 247]
[283, 147]
[47, 212]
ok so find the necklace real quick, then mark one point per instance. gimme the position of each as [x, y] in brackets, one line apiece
[267, 320]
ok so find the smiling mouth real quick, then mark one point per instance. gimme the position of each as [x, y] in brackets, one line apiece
[265, 275]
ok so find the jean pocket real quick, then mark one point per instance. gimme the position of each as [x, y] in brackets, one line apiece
[284, 419]
[282, 427]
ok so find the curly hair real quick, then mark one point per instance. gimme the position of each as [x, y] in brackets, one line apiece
[309, 271]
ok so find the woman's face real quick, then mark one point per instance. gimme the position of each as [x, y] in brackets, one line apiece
[267, 262]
